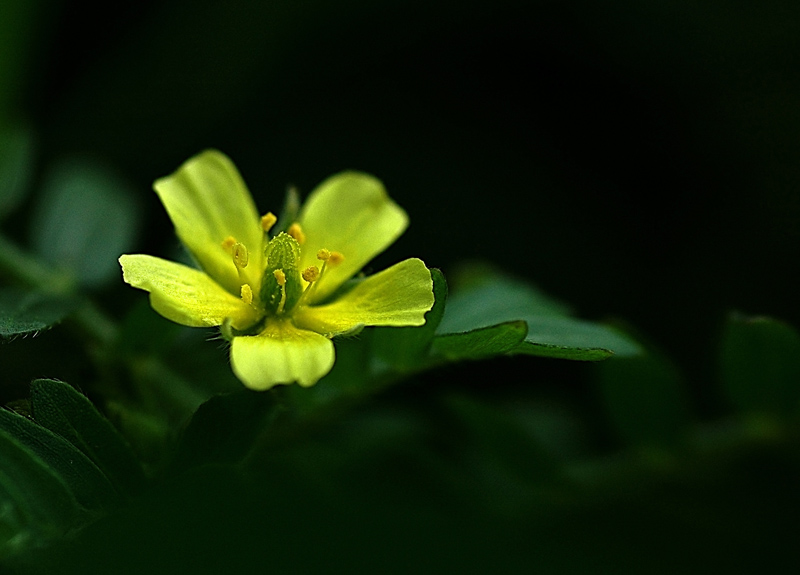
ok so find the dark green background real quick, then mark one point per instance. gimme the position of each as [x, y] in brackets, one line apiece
[637, 159]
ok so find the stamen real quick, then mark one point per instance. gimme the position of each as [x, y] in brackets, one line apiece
[267, 221]
[323, 255]
[311, 274]
[240, 255]
[297, 233]
[247, 294]
[336, 258]
[228, 243]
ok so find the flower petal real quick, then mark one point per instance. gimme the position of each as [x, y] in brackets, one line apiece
[183, 294]
[349, 213]
[397, 296]
[208, 202]
[281, 354]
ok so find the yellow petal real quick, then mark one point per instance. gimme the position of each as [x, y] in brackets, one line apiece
[397, 296]
[281, 354]
[183, 294]
[208, 202]
[349, 213]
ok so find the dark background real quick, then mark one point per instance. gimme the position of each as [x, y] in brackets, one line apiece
[636, 159]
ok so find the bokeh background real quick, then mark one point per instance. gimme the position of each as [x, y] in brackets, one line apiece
[638, 159]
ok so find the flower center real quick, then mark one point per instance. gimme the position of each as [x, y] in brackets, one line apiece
[283, 284]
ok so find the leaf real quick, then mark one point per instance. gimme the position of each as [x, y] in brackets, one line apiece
[25, 312]
[16, 167]
[496, 299]
[481, 343]
[33, 498]
[85, 218]
[570, 333]
[406, 348]
[760, 365]
[88, 484]
[224, 428]
[645, 398]
[62, 410]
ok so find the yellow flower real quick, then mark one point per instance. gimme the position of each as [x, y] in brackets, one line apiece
[277, 296]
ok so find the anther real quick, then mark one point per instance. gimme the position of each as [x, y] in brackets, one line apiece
[267, 221]
[247, 294]
[228, 243]
[323, 255]
[297, 233]
[240, 256]
[336, 258]
[311, 274]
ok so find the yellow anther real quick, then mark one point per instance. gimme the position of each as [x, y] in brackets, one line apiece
[311, 274]
[240, 256]
[267, 221]
[247, 294]
[280, 277]
[323, 255]
[297, 233]
[228, 243]
[336, 258]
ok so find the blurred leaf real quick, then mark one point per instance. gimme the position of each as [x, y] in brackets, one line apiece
[16, 165]
[760, 365]
[224, 428]
[501, 438]
[85, 219]
[88, 484]
[407, 348]
[33, 500]
[644, 398]
[61, 409]
[23, 311]
[482, 342]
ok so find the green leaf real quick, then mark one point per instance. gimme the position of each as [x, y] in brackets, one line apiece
[224, 428]
[61, 409]
[85, 218]
[760, 365]
[570, 333]
[494, 299]
[481, 343]
[34, 501]
[16, 167]
[645, 399]
[406, 348]
[24, 312]
[484, 300]
[88, 484]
